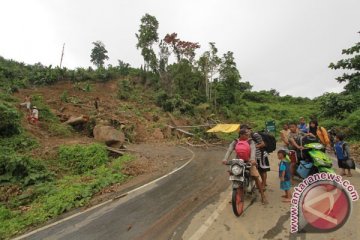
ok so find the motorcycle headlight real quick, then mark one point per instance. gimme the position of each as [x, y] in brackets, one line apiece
[236, 169]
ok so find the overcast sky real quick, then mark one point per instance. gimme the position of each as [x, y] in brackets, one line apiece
[281, 44]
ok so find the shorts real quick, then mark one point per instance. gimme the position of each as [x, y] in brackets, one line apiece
[254, 172]
[285, 185]
[263, 165]
[341, 164]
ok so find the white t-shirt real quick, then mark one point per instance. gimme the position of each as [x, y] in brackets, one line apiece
[35, 113]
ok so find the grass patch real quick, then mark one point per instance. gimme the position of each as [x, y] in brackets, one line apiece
[81, 158]
[48, 200]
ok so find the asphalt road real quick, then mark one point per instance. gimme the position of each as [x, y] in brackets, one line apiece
[192, 203]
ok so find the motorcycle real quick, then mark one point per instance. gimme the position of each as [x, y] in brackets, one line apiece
[313, 159]
[242, 184]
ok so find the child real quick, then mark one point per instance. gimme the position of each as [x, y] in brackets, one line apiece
[284, 174]
[342, 153]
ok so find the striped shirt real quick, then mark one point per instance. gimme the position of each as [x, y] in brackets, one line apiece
[256, 137]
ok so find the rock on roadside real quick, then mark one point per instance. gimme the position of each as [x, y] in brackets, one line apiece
[109, 135]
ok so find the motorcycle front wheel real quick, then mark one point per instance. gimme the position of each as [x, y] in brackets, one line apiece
[238, 201]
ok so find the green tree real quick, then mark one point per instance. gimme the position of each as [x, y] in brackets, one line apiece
[336, 105]
[147, 36]
[229, 77]
[352, 78]
[209, 64]
[186, 80]
[98, 54]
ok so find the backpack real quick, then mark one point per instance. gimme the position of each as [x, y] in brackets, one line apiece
[344, 152]
[242, 149]
[269, 140]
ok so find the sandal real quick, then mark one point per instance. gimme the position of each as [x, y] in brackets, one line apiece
[349, 175]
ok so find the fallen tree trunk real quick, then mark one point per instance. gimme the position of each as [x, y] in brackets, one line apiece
[180, 130]
[77, 120]
[114, 150]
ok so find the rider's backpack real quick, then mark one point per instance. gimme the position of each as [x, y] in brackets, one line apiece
[242, 149]
[269, 140]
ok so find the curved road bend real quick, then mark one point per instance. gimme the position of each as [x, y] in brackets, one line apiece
[153, 212]
[192, 204]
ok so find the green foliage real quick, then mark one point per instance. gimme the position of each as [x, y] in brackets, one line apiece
[337, 105]
[124, 68]
[229, 77]
[125, 89]
[352, 63]
[98, 54]
[20, 143]
[81, 158]
[5, 97]
[64, 97]
[147, 36]
[170, 104]
[54, 198]
[186, 81]
[353, 123]
[58, 129]
[15, 168]
[9, 120]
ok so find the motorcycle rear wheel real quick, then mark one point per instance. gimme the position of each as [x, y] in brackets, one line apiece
[238, 199]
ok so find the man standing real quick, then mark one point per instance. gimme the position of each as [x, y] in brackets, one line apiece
[27, 104]
[261, 155]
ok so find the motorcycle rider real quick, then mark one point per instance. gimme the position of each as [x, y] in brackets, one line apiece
[244, 134]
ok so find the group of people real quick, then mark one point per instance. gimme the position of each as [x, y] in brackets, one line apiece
[252, 149]
[32, 111]
[292, 134]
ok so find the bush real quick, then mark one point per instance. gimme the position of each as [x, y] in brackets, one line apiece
[18, 143]
[353, 122]
[81, 158]
[125, 89]
[64, 96]
[51, 199]
[9, 120]
[255, 97]
[21, 169]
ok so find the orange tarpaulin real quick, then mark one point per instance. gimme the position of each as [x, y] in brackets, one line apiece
[225, 128]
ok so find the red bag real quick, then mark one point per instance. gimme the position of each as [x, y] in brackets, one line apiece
[242, 150]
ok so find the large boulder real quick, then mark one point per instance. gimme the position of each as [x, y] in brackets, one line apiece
[109, 135]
